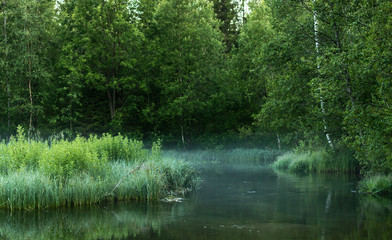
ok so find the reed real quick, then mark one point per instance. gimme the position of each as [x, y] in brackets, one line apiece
[233, 156]
[86, 172]
[317, 161]
[377, 185]
[31, 189]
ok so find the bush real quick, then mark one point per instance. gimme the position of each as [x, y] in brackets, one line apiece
[65, 158]
[21, 152]
[118, 148]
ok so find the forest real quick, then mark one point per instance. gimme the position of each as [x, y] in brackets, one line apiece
[307, 74]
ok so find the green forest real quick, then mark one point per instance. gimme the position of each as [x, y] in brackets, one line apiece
[304, 74]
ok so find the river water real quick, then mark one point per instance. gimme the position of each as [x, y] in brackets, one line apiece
[233, 203]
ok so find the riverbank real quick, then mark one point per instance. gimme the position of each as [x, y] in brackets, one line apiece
[38, 175]
[322, 161]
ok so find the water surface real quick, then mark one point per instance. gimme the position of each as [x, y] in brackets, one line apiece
[232, 203]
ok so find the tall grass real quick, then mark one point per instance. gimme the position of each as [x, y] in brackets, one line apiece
[87, 171]
[377, 185]
[317, 161]
[233, 156]
[30, 189]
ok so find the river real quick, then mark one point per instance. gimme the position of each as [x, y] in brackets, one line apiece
[233, 202]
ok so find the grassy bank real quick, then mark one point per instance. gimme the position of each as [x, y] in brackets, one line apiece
[34, 174]
[317, 161]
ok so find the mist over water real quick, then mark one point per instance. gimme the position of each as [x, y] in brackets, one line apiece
[233, 202]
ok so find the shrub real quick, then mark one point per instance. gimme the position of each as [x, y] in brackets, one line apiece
[65, 158]
[21, 152]
[118, 148]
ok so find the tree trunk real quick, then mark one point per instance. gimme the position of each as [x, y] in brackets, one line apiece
[27, 32]
[112, 102]
[278, 140]
[317, 43]
[6, 66]
[29, 77]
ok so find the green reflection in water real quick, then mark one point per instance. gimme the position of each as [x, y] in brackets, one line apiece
[105, 222]
[241, 202]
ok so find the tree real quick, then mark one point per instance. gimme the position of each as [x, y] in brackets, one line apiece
[100, 55]
[27, 32]
[227, 12]
[190, 50]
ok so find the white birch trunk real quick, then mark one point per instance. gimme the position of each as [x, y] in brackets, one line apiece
[317, 45]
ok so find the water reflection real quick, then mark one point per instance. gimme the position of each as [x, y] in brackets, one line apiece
[104, 222]
[233, 203]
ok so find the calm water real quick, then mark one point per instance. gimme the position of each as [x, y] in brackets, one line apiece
[233, 203]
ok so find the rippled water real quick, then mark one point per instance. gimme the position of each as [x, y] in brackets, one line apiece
[233, 203]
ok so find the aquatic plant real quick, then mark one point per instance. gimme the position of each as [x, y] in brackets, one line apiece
[30, 189]
[316, 161]
[87, 171]
[377, 185]
[233, 156]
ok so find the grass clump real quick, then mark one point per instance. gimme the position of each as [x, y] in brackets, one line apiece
[316, 161]
[87, 171]
[377, 185]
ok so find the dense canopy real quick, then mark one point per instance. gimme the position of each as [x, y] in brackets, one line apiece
[307, 74]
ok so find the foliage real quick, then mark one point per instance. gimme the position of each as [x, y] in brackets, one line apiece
[21, 152]
[118, 148]
[67, 158]
[311, 73]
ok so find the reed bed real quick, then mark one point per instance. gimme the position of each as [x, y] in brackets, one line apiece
[233, 156]
[317, 161]
[34, 175]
